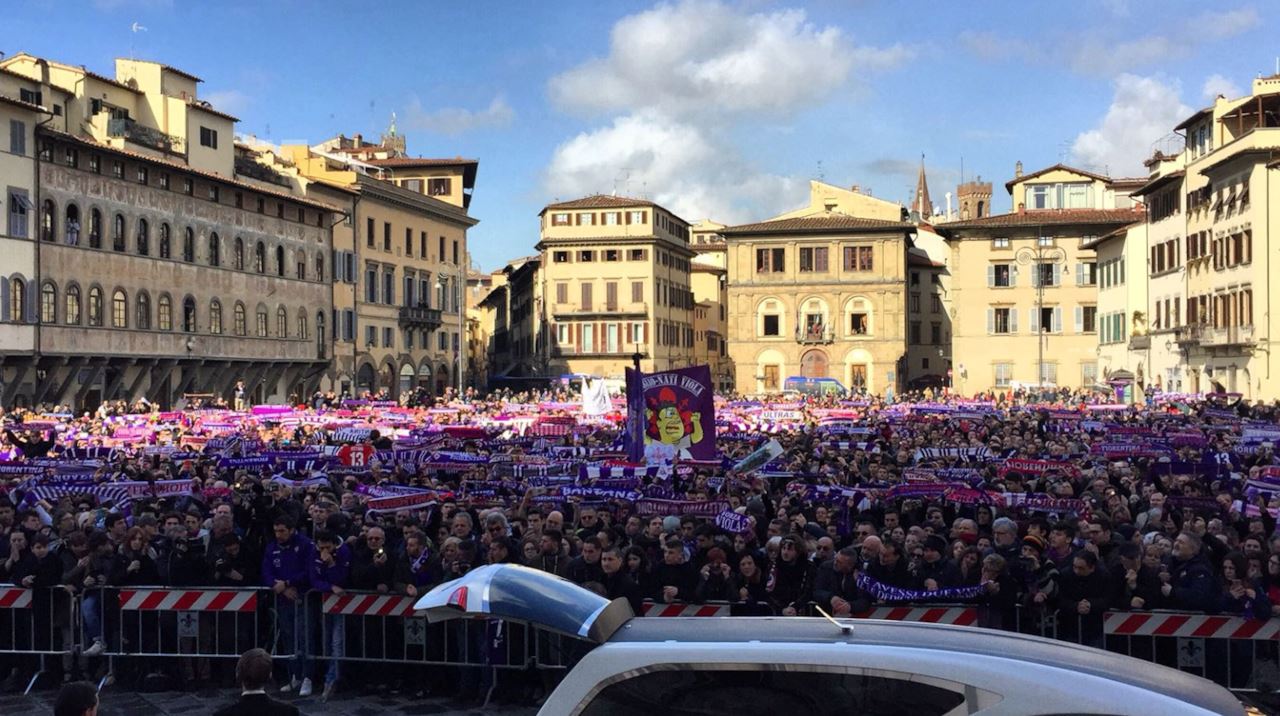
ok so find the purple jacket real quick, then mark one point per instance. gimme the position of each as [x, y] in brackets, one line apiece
[290, 562]
[324, 577]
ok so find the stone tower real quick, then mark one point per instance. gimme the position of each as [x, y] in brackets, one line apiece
[975, 199]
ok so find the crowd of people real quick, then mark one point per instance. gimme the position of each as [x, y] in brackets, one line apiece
[1036, 509]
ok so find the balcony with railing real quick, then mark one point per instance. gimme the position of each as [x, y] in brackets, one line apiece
[1228, 336]
[131, 130]
[420, 317]
[1189, 335]
[814, 336]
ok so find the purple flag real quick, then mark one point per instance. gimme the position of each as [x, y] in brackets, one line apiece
[670, 415]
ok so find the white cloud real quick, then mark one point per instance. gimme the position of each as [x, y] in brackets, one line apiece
[674, 163]
[702, 56]
[1143, 110]
[677, 82]
[988, 45]
[1097, 55]
[1225, 24]
[230, 101]
[1216, 85]
[456, 120]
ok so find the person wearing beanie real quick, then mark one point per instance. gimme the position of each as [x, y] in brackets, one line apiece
[1040, 575]
[929, 570]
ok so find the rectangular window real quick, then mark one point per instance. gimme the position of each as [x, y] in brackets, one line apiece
[389, 288]
[18, 137]
[586, 297]
[117, 169]
[637, 291]
[560, 219]
[611, 296]
[1087, 273]
[142, 175]
[588, 337]
[586, 256]
[408, 242]
[612, 218]
[935, 333]
[1000, 275]
[386, 236]
[208, 138]
[371, 285]
[1000, 243]
[19, 208]
[1088, 319]
[1048, 373]
[612, 255]
[611, 338]
[770, 260]
[422, 244]
[813, 259]
[371, 336]
[369, 227]
[935, 303]
[560, 257]
[637, 255]
[635, 217]
[1002, 320]
[456, 255]
[1003, 374]
[562, 292]
[388, 338]
[213, 193]
[771, 325]
[858, 323]
[439, 186]
[31, 96]
[95, 164]
[586, 219]
[1046, 274]
[441, 257]
[1044, 241]
[915, 333]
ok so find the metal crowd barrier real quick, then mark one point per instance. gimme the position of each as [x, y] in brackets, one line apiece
[360, 628]
[41, 622]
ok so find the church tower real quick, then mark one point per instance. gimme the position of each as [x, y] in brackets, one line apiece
[921, 205]
[975, 199]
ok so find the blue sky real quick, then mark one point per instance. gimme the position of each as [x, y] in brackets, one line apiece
[716, 109]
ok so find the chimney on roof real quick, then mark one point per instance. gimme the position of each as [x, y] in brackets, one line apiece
[1017, 170]
[358, 139]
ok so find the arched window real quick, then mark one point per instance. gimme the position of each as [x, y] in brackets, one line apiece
[319, 267]
[238, 319]
[142, 308]
[117, 233]
[48, 303]
[237, 255]
[282, 323]
[95, 307]
[71, 311]
[260, 258]
[320, 351]
[47, 223]
[164, 313]
[119, 309]
[72, 225]
[215, 250]
[858, 320]
[261, 323]
[17, 300]
[95, 229]
[279, 260]
[144, 238]
[302, 265]
[189, 245]
[303, 328]
[189, 315]
[215, 317]
[166, 242]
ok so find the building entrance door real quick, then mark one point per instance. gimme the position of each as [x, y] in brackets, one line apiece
[813, 364]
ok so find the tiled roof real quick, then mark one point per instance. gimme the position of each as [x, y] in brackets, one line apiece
[1048, 217]
[819, 223]
[420, 162]
[600, 201]
[1098, 241]
[169, 68]
[85, 141]
[1056, 167]
[206, 107]
[918, 257]
[25, 105]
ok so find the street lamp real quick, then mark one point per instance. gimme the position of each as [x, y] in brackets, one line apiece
[1041, 255]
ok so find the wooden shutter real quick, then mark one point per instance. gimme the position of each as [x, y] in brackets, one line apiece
[1057, 320]
[1013, 320]
[991, 275]
[1079, 316]
[1035, 320]
[991, 320]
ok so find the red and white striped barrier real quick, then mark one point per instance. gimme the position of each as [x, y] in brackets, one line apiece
[1189, 625]
[188, 600]
[14, 598]
[372, 605]
[684, 610]
[960, 616]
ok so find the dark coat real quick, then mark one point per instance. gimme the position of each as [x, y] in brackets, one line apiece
[257, 705]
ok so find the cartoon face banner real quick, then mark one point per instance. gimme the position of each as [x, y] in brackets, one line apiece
[670, 415]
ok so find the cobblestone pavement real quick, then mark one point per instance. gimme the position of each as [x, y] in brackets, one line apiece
[202, 703]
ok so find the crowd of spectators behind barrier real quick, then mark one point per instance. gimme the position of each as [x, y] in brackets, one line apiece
[1131, 549]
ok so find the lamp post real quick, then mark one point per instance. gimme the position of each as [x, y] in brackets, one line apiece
[1041, 255]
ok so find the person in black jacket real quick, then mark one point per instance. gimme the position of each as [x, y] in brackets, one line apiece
[1188, 582]
[617, 583]
[1084, 593]
[586, 566]
[791, 582]
[372, 567]
[716, 581]
[835, 589]
[253, 671]
[674, 580]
